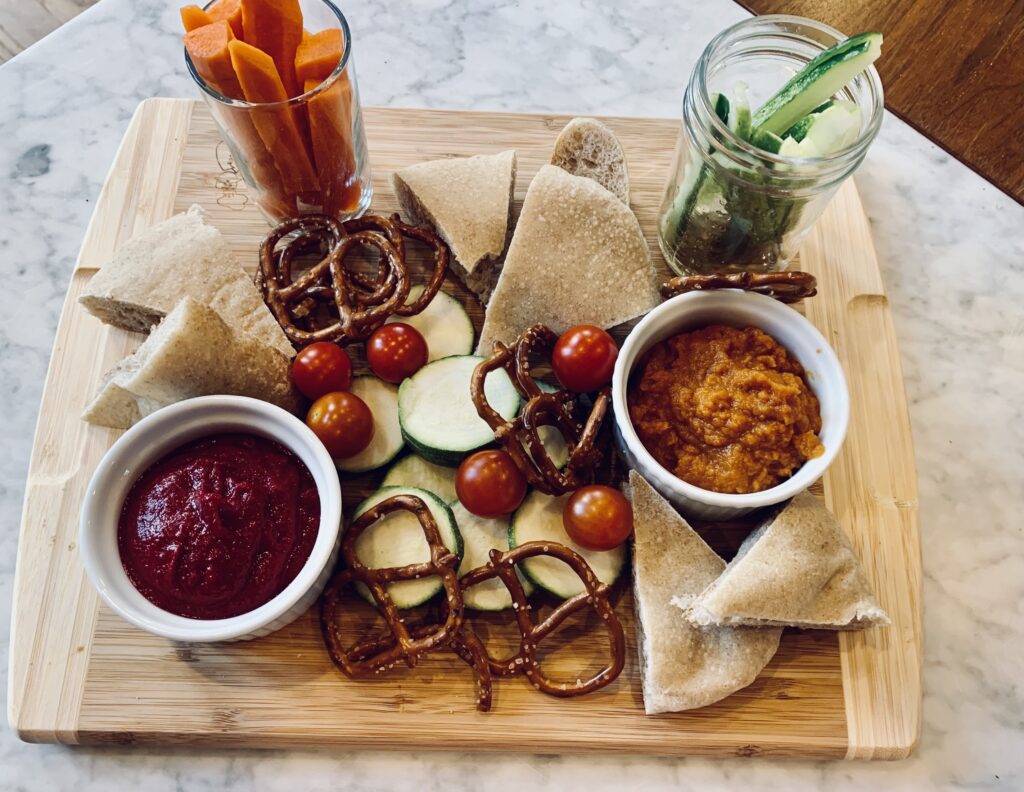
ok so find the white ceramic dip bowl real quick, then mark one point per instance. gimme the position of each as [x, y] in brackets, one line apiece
[740, 309]
[159, 434]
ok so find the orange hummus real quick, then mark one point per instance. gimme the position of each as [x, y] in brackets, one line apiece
[725, 409]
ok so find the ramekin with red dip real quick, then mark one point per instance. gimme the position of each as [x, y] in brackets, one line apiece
[213, 519]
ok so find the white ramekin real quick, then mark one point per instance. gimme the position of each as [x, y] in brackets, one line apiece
[739, 309]
[157, 435]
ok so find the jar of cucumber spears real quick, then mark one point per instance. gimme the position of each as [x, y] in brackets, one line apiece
[778, 112]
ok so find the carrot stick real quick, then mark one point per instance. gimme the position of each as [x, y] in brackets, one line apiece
[275, 26]
[278, 127]
[330, 126]
[207, 46]
[192, 17]
[231, 12]
[318, 55]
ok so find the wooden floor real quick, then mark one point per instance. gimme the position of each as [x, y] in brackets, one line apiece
[953, 69]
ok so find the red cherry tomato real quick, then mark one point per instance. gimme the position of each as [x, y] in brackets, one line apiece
[584, 358]
[396, 351]
[343, 423]
[322, 368]
[489, 484]
[597, 517]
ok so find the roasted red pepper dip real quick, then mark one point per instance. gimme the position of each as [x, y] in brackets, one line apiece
[219, 526]
[725, 409]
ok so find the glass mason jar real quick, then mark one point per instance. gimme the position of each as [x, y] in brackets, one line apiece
[307, 154]
[730, 206]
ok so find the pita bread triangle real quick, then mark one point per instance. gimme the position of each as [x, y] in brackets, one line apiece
[577, 256]
[684, 666]
[469, 201]
[798, 570]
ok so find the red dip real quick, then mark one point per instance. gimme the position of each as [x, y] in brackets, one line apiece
[219, 527]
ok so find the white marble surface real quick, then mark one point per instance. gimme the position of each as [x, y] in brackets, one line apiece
[952, 249]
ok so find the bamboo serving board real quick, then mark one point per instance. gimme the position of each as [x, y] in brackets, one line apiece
[78, 674]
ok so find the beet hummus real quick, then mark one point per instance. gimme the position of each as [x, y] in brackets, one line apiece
[219, 526]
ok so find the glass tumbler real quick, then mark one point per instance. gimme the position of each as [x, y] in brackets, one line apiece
[304, 155]
[730, 206]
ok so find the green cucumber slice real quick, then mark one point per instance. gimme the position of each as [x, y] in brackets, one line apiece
[720, 103]
[444, 324]
[739, 118]
[768, 141]
[834, 129]
[822, 77]
[387, 442]
[539, 518]
[414, 471]
[398, 540]
[438, 418]
[799, 129]
[480, 536]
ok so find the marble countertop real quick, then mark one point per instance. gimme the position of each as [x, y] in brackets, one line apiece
[952, 252]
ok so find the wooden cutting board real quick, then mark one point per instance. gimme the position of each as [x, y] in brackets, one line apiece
[78, 674]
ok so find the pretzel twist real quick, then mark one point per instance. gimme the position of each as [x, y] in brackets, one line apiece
[502, 565]
[355, 304]
[786, 287]
[371, 657]
[520, 437]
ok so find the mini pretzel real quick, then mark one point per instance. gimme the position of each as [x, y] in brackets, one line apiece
[356, 304]
[520, 437]
[502, 565]
[787, 287]
[371, 657]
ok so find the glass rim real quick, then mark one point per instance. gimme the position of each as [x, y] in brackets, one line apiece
[725, 135]
[292, 101]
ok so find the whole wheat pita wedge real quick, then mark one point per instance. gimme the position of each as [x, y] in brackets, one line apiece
[577, 256]
[469, 201]
[684, 666]
[798, 569]
[184, 256]
[192, 352]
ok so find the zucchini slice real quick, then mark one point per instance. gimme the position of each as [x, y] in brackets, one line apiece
[437, 416]
[822, 77]
[480, 536]
[444, 324]
[397, 540]
[540, 519]
[415, 471]
[739, 118]
[387, 442]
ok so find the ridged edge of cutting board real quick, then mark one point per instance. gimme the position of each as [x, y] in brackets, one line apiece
[872, 485]
[54, 607]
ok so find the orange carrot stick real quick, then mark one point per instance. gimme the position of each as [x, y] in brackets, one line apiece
[192, 17]
[231, 12]
[278, 127]
[275, 26]
[318, 55]
[207, 46]
[330, 127]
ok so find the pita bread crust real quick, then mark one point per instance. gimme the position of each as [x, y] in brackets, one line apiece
[684, 666]
[577, 256]
[797, 569]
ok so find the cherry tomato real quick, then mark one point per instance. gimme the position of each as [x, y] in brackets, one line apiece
[584, 358]
[489, 484]
[322, 368]
[342, 422]
[597, 517]
[396, 351]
